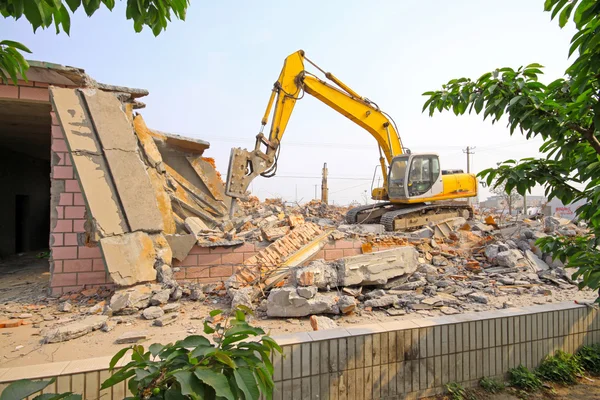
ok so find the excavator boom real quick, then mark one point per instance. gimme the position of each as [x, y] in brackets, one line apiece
[293, 81]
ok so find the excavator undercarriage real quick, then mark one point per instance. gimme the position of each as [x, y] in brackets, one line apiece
[406, 217]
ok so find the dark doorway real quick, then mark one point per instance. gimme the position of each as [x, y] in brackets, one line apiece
[25, 176]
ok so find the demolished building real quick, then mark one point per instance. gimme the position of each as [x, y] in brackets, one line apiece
[121, 199]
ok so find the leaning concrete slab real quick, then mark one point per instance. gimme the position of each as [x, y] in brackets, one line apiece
[99, 192]
[129, 258]
[119, 144]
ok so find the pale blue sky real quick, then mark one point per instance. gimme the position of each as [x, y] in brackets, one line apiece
[210, 77]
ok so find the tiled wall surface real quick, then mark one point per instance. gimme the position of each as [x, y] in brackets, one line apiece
[395, 360]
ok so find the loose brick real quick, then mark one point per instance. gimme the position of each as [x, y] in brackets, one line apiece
[57, 239]
[64, 279]
[209, 259]
[89, 252]
[63, 225]
[29, 93]
[88, 278]
[78, 225]
[64, 253]
[9, 91]
[78, 199]
[333, 254]
[77, 265]
[75, 212]
[57, 133]
[11, 323]
[70, 239]
[197, 272]
[221, 271]
[65, 199]
[62, 172]
[232, 258]
[72, 186]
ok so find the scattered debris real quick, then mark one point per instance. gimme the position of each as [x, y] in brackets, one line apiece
[321, 323]
[74, 329]
[132, 337]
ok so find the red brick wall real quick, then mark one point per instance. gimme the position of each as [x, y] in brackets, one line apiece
[73, 266]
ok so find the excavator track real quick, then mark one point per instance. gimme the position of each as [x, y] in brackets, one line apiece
[422, 214]
[352, 216]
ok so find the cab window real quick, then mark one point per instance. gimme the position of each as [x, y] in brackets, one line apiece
[424, 171]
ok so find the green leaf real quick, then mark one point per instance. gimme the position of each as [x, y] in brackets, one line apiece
[190, 385]
[225, 359]
[91, 6]
[156, 348]
[207, 328]
[174, 394]
[61, 396]
[117, 357]
[194, 341]
[240, 316]
[215, 380]
[214, 313]
[16, 45]
[119, 376]
[73, 4]
[564, 15]
[246, 382]
[24, 388]
[201, 351]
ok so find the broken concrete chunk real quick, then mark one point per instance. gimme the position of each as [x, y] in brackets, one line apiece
[286, 302]
[196, 226]
[307, 292]
[243, 296]
[166, 319]
[478, 297]
[161, 297]
[132, 337]
[134, 298]
[377, 268]
[376, 229]
[347, 304]
[317, 273]
[129, 258]
[176, 294]
[491, 251]
[439, 261]
[375, 294]
[272, 234]
[181, 245]
[537, 264]
[295, 220]
[74, 329]
[509, 258]
[153, 312]
[412, 285]
[321, 323]
[65, 307]
[172, 307]
[383, 301]
[197, 295]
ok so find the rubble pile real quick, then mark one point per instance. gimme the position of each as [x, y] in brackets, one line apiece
[465, 270]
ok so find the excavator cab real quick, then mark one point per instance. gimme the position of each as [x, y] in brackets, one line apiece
[414, 176]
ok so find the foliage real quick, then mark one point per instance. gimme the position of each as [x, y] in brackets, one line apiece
[155, 14]
[561, 367]
[491, 385]
[194, 368]
[565, 113]
[589, 357]
[457, 392]
[523, 378]
[22, 389]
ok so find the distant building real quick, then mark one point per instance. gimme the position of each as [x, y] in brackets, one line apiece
[556, 208]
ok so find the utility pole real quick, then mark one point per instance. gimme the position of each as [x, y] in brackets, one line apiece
[296, 194]
[324, 188]
[316, 192]
[469, 151]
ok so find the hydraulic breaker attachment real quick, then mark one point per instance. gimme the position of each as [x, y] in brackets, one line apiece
[244, 166]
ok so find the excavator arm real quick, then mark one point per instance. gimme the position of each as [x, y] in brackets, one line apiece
[291, 85]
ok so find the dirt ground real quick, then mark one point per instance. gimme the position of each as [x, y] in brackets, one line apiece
[586, 389]
[23, 289]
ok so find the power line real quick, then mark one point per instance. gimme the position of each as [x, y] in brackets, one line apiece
[469, 151]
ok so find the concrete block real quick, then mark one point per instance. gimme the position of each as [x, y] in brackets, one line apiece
[129, 258]
[286, 302]
[376, 268]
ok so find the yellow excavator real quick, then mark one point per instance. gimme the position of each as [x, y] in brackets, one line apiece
[415, 192]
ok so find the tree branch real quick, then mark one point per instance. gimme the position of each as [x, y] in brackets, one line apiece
[588, 134]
